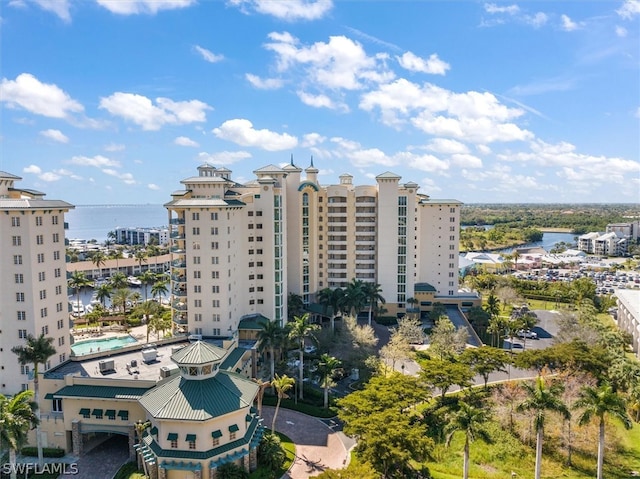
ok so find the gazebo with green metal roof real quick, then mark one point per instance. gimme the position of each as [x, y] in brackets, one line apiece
[201, 418]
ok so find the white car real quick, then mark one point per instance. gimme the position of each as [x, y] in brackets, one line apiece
[527, 334]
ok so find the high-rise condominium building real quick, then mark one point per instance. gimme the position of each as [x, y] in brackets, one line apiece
[239, 249]
[33, 278]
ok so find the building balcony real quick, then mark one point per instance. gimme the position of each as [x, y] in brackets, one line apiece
[179, 306]
[176, 278]
[178, 250]
[176, 221]
[177, 235]
[181, 264]
[180, 319]
[179, 292]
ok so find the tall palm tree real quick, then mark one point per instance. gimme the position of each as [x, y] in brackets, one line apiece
[326, 367]
[103, 292]
[299, 330]
[270, 338]
[159, 289]
[17, 417]
[540, 399]
[282, 384]
[36, 351]
[373, 297]
[152, 314]
[98, 259]
[117, 255]
[334, 299]
[120, 298]
[262, 386]
[147, 278]
[470, 420]
[141, 256]
[118, 280]
[77, 281]
[493, 305]
[596, 403]
[355, 297]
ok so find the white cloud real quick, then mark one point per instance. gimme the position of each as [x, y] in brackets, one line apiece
[46, 99]
[339, 64]
[537, 20]
[290, 10]
[544, 86]
[35, 169]
[466, 161]
[114, 147]
[151, 7]
[629, 9]
[493, 8]
[126, 178]
[55, 135]
[224, 157]
[432, 65]
[153, 186]
[313, 139]
[447, 146]
[568, 25]
[621, 31]
[241, 132]
[58, 7]
[141, 110]
[208, 55]
[97, 161]
[184, 141]
[264, 83]
[318, 101]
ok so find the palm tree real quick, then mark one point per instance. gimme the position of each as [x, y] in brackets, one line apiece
[151, 313]
[262, 386]
[141, 256]
[372, 295]
[103, 292]
[299, 330]
[147, 278]
[159, 289]
[120, 298]
[118, 280]
[140, 428]
[470, 420]
[117, 255]
[269, 338]
[98, 259]
[598, 403]
[36, 351]
[77, 281]
[326, 367]
[515, 255]
[282, 384]
[542, 398]
[354, 296]
[493, 305]
[334, 299]
[17, 417]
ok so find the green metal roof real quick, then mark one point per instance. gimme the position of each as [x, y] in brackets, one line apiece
[230, 361]
[199, 352]
[423, 288]
[198, 400]
[216, 434]
[102, 392]
[97, 412]
[85, 411]
[253, 322]
[110, 413]
[48, 396]
[190, 437]
[173, 436]
[234, 428]
[123, 414]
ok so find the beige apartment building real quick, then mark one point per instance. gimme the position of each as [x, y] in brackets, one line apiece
[239, 249]
[33, 280]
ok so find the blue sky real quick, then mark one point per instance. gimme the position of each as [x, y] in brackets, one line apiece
[116, 101]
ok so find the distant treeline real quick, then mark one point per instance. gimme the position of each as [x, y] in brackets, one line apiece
[579, 218]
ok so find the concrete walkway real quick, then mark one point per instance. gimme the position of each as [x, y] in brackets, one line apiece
[320, 444]
[103, 461]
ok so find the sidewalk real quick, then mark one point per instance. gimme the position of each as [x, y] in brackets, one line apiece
[318, 446]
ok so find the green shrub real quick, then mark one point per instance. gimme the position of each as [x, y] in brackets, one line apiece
[387, 320]
[129, 471]
[46, 451]
[133, 322]
[232, 471]
[270, 453]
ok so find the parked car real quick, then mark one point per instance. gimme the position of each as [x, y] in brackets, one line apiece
[527, 334]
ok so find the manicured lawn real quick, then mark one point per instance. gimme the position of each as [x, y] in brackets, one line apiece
[129, 471]
[290, 451]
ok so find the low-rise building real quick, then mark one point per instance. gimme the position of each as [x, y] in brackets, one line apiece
[628, 315]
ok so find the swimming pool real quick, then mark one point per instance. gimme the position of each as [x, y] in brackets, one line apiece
[108, 344]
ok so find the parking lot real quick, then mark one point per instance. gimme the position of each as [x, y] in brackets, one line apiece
[546, 329]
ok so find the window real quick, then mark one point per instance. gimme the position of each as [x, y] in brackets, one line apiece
[215, 288]
[57, 405]
[215, 245]
[197, 288]
[58, 289]
[259, 226]
[195, 216]
[258, 238]
[197, 303]
[214, 230]
[17, 259]
[38, 220]
[62, 357]
[39, 239]
[250, 226]
[24, 369]
[22, 334]
[196, 245]
[15, 221]
[56, 238]
[54, 220]
[196, 231]
[215, 303]
[452, 210]
[61, 341]
[22, 315]
[56, 255]
[452, 228]
[40, 257]
[19, 278]
[215, 317]
[16, 240]
[215, 274]
[41, 276]
[258, 213]
[43, 294]
[196, 274]
[452, 246]
[215, 260]
[215, 441]
[174, 444]
[214, 216]
[196, 260]
[45, 329]
[452, 220]
[197, 317]
[192, 444]
[232, 435]
[20, 297]
[60, 323]
[57, 273]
